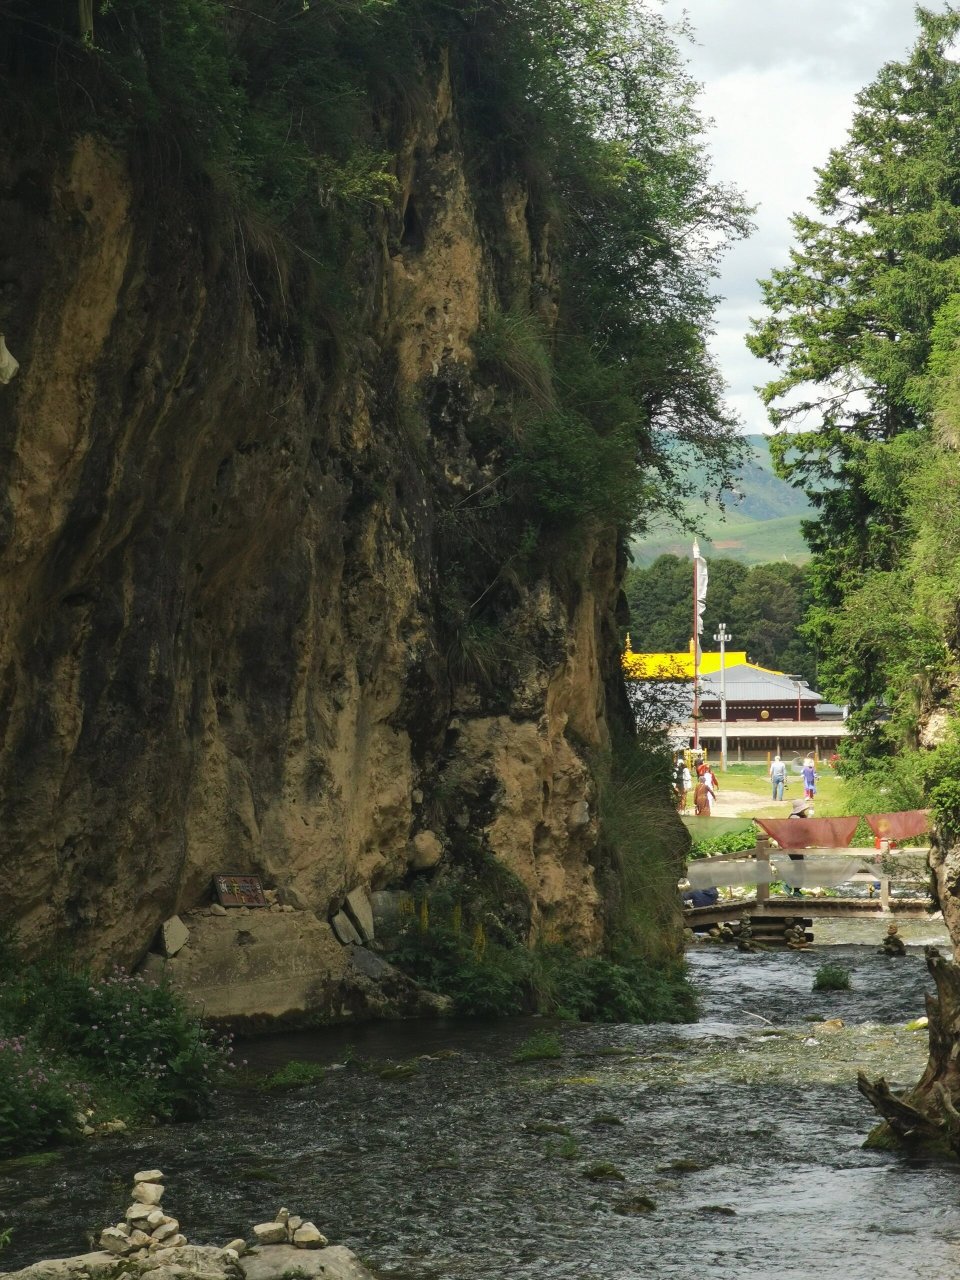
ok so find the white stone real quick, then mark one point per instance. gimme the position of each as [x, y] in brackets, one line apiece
[174, 936]
[293, 1222]
[148, 1175]
[283, 1215]
[237, 1247]
[361, 912]
[308, 1237]
[270, 1233]
[139, 1213]
[147, 1192]
[166, 1230]
[140, 1239]
[218, 910]
[154, 1219]
[115, 1241]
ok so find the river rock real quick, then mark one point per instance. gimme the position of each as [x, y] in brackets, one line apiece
[333, 1263]
[238, 1246]
[148, 1175]
[308, 1237]
[150, 1193]
[166, 1231]
[154, 1219]
[271, 1233]
[283, 1215]
[115, 1241]
[139, 1214]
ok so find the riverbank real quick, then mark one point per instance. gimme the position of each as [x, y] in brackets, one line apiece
[432, 1153]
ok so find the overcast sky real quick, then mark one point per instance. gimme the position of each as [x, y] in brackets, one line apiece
[779, 79]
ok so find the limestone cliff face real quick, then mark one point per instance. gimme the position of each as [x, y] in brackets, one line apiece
[219, 641]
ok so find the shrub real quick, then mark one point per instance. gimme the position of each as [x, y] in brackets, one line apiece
[729, 842]
[541, 1045]
[294, 1074]
[133, 1043]
[831, 977]
[37, 1105]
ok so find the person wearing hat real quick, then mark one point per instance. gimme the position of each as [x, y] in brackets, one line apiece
[800, 809]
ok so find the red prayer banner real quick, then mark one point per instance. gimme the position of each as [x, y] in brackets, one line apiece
[899, 826]
[810, 833]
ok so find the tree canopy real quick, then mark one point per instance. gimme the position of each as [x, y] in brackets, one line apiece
[849, 327]
[762, 606]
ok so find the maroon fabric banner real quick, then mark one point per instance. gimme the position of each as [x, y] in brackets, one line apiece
[806, 833]
[899, 826]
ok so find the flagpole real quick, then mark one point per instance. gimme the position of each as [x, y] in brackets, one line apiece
[696, 646]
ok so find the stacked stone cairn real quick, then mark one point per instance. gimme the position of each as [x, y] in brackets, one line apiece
[145, 1225]
[146, 1228]
[290, 1228]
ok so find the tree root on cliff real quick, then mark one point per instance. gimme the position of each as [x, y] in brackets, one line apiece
[926, 1115]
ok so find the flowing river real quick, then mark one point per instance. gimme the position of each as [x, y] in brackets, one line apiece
[739, 1141]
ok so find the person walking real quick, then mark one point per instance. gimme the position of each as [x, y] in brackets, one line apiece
[712, 785]
[778, 777]
[809, 774]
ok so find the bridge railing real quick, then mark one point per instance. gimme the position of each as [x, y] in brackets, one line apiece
[885, 866]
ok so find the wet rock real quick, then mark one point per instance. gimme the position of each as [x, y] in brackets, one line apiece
[634, 1204]
[721, 1210]
[603, 1171]
[682, 1166]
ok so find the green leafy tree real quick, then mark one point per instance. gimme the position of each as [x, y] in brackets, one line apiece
[849, 326]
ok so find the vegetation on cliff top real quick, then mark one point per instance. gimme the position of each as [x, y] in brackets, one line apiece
[287, 120]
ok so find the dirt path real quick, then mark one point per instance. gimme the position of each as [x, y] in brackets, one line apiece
[740, 804]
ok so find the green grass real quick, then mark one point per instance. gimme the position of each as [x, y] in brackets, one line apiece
[541, 1045]
[294, 1074]
[831, 800]
[831, 977]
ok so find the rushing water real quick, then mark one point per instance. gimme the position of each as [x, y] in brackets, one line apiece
[745, 1132]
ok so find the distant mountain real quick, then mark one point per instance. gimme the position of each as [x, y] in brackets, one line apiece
[761, 522]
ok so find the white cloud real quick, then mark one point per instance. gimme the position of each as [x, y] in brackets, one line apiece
[779, 80]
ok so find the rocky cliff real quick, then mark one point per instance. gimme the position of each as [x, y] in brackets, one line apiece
[225, 560]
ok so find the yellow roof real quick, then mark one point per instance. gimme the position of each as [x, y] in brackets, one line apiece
[679, 666]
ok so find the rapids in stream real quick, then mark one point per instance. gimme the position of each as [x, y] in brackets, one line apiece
[739, 1140]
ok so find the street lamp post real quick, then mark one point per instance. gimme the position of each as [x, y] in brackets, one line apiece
[722, 636]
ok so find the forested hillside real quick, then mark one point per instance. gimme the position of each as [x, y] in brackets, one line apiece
[756, 519]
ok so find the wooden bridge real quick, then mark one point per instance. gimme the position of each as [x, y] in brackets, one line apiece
[769, 914]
